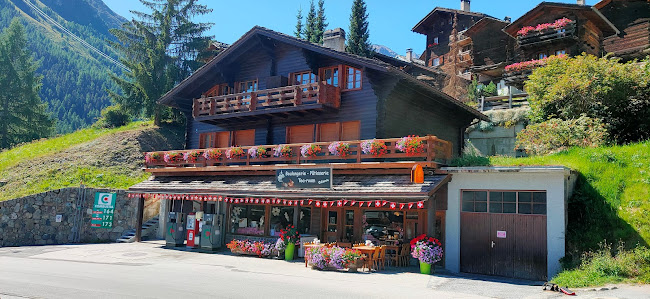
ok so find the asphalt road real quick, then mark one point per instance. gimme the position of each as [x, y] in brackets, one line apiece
[146, 270]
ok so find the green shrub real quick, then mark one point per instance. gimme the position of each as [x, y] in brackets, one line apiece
[555, 135]
[471, 156]
[113, 117]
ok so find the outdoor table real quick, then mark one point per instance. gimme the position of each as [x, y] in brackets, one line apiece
[394, 248]
[309, 246]
[367, 250]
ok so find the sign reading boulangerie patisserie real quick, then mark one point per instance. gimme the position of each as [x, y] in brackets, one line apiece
[303, 178]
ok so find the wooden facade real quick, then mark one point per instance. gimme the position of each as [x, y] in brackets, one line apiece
[632, 18]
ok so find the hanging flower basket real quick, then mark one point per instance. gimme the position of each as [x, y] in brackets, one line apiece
[411, 145]
[235, 152]
[192, 157]
[310, 150]
[173, 157]
[151, 158]
[212, 154]
[282, 150]
[341, 149]
[257, 152]
[374, 147]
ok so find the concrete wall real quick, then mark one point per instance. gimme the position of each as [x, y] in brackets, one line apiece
[553, 180]
[498, 141]
[31, 220]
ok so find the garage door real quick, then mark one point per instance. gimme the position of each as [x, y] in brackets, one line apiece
[504, 233]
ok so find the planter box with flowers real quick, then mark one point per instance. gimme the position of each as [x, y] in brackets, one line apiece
[257, 152]
[282, 151]
[524, 66]
[333, 258]
[246, 247]
[339, 148]
[427, 250]
[562, 27]
[153, 158]
[173, 158]
[374, 147]
[411, 145]
[310, 150]
[192, 157]
[235, 152]
[212, 155]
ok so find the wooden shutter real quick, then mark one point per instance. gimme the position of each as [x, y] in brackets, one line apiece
[351, 130]
[206, 140]
[299, 134]
[222, 139]
[244, 137]
[329, 132]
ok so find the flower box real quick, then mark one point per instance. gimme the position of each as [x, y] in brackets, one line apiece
[235, 152]
[374, 147]
[338, 148]
[411, 145]
[173, 158]
[282, 150]
[310, 150]
[192, 157]
[257, 152]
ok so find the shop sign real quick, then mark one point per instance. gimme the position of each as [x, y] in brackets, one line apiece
[303, 178]
[103, 210]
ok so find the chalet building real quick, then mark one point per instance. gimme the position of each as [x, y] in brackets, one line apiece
[555, 29]
[446, 46]
[282, 131]
[632, 18]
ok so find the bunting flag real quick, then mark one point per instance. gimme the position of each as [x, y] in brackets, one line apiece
[410, 205]
[401, 206]
[420, 204]
[392, 205]
[318, 204]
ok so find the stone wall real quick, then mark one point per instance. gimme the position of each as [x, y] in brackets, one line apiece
[498, 141]
[31, 220]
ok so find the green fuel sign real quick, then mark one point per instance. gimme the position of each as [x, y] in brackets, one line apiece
[103, 210]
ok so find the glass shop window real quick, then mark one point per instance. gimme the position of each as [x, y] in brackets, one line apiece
[281, 217]
[247, 220]
[383, 225]
[348, 234]
[304, 220]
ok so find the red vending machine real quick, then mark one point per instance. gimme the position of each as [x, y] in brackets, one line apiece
[192, 230]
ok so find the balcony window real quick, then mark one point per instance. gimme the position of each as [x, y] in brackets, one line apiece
[330, 75]
[542, 55]
[560, 52]
[301, 78]
[353, 78]
[246, 86]
[436, 61]
[339, 131]
[219, 90]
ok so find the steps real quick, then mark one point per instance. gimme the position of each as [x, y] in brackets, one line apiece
[148, 228]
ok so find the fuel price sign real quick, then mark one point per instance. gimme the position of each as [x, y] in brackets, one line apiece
[103, 210]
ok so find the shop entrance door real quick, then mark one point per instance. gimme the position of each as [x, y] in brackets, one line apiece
[331, 225]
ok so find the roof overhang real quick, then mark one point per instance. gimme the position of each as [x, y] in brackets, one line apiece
[395, 187]
[421, 26]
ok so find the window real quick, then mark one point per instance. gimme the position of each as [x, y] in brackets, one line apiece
[246, 86]
[330, 75]
[243, 137]
[436, 61]
[348, 233]
[300, 134]
[383, 225]
[542, 55]
[474, 201]
[219, 90]
[352, 78]
[281, 217]
[435, 40]
[560, 52]
[206, 140]
[507, 202]
[214, 139]
[304, 220]
[332, 220]
[301, 78]
[247, 219]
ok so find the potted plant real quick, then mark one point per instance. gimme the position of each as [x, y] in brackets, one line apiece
[235, 152]
[191, 156]
[212, 154]
[427, 250]
[257, 152]
[282, 150]
[411, 145]
[280, 246]
[338, 148]
[310, 150]
[151, 158]
[374, 147]
[173, 157]
[290, 236]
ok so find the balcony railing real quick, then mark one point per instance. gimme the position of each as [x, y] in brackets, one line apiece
[547, 36]
[308, 96]
[465, 56]
[433, 151]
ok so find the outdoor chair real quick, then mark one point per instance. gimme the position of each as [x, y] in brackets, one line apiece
[394, 259]
[381, 260]
[405, 254]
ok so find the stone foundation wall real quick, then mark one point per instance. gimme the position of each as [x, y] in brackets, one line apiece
[31, 220]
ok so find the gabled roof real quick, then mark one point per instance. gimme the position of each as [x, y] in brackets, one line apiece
[430, 18]
[257, 31]
[482, 23]
[590, 12]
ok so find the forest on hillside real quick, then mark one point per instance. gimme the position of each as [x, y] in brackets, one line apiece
[75, 79]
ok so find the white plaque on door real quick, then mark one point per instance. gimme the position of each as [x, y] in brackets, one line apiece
[501, 234]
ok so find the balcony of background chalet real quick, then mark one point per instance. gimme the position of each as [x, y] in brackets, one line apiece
[547, 36]
[434, 152]
[281, 101]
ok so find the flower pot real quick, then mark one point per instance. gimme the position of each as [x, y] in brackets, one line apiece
[425, 268]
[288, 253]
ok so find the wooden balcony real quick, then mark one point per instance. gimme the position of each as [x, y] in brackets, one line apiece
[465, 57]
[434, 152]
[548, 36]
[282, 101]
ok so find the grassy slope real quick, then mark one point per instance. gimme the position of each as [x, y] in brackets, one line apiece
[97, 157]
[611, 203]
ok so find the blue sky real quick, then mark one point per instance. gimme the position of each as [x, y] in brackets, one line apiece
[390, 21]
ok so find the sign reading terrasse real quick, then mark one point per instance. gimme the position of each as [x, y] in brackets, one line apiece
[103, 210]
[303, 178]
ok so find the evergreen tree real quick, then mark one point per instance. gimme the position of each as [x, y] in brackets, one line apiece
[23, 115]
[358, 42]
[320, 23]
[310, 23]
[159, 49]
[298, 32]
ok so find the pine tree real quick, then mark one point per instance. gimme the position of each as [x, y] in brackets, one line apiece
[160, 49]
[358, 42]
[310, 23]
[298, 33]
[23, 116]
[320, 23]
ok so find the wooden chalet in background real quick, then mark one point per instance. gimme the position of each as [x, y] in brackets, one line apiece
[270, 88]
[488, 49]
[585, 32]
[632, 18]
